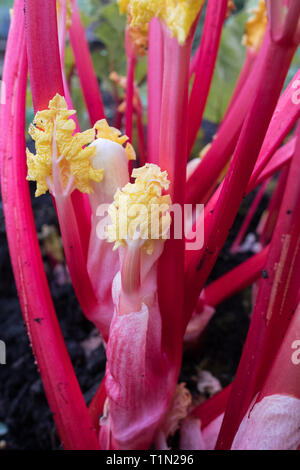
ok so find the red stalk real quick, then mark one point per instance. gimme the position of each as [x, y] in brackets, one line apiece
[155, 81]
[222, 148]
[284, 118]
[75, 240]
[235, 280]
[281, 158]
[277, 62]
[172, 157]
[205, 65]
[249, 216]
[247, 67]
[80, 201]
[274, 306]
[75, 255]
[286, 115]
[60, 383]
[284, 376]
[40, 67]
[61, 20]
[131, 61]
[141, 135]
[97, 405]
[273, 208]
[213, 407]
[84, 65]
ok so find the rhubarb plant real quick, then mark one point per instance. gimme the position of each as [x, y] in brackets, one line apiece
[138, 248]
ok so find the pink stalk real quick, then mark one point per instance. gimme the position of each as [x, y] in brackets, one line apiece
[272, 423]
[249, 216]
[79, 200]
[278, 59]
[212, 408]
[273, 208]
[40, 68]
[141, 135]
[222, 148]
[155, 83]
[247, 67]
[286, 114]
[172, 157]
[71, 234]
[96, 406]
[131, 61]
[216, 292]
[281, 158]
[194, 61]
[87, 77]
[284, 118]
[214, 19]
[235, 280]
[61, 21]
[274, 306]
[60, 383]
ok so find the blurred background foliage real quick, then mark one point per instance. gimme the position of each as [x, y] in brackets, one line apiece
[105, 30]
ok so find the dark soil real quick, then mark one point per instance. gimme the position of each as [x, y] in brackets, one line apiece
[25, 419]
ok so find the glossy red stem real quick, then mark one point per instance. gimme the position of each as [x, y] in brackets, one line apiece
[274, 307]
[43, 56]
[155, 82]
[222, 148]
[235, 280]
[62, 390]
[273, 208]
[205, 65]
[249, 216]
[76, 240]
[84, 66]
[172, 157]
[213, 407]
[247, 67]
[278, 59]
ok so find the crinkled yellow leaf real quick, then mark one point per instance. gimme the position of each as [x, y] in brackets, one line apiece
[256, 27]
[105, 131]
[53, 127]
[178, 15]
[139, 210]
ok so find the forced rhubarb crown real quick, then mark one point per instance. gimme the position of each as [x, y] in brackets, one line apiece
[56, 144]
[178, 15]
[140, 212]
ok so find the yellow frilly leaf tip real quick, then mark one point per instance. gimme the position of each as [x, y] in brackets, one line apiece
[178, 15]
[105, 131]
[256, 27]
[63, 160]
[140, 212]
